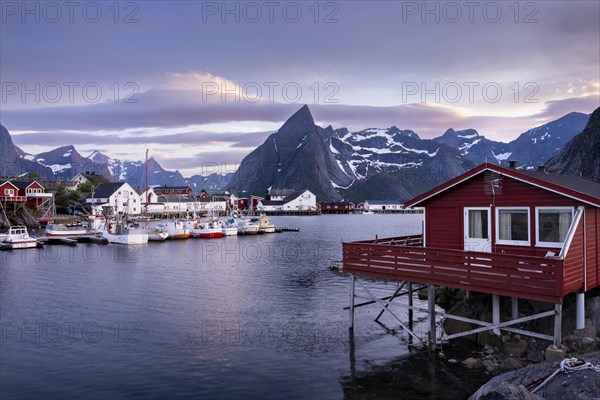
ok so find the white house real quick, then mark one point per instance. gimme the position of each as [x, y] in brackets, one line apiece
[82, 178]
[382, 205]
[118, 195]
[182, 203]
[299, 200]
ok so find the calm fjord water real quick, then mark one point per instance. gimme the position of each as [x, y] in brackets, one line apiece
[239, 317]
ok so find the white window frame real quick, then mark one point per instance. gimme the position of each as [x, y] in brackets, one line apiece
[9, 192]
[538, 243]
[513, 242]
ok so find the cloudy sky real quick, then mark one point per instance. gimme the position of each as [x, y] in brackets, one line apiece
[202, 83]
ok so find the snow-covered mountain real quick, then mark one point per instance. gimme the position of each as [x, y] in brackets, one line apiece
[66, 162]
[530, 149]
[118, 170]
[334, 164]
[385, 163]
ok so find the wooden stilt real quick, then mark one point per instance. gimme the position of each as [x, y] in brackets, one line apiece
[410, 304]
[431, 313]
[557, 324]
[514, 302]
[496, 312]
[351, 309]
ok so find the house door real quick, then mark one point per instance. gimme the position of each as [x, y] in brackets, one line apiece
[478, 229]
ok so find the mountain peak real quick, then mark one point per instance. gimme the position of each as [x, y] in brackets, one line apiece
[449, 132]
[303, 116]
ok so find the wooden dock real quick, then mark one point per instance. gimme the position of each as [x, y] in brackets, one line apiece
[71, 240]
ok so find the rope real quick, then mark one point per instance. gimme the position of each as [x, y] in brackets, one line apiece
[567, 366]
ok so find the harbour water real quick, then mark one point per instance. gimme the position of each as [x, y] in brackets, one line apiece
[254, 317]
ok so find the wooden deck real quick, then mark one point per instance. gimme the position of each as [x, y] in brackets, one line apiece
[405, 259]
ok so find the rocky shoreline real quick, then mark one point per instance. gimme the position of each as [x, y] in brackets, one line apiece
[516, 362]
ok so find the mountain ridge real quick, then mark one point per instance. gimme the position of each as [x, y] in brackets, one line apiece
[333, 163]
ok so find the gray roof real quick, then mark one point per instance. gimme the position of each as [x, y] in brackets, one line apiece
[578, 184]
[105, 190]
[22, 184]
[281, 192]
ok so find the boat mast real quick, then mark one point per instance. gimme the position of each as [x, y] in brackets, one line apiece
[146, 191]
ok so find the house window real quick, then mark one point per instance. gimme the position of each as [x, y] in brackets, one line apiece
[9, 192]
[552, 225]
[512, 226]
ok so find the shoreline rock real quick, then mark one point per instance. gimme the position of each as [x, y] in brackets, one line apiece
[519, 384]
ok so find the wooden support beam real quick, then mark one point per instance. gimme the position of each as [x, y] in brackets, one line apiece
[382, 304]
[496, 312]
[392, 297]
[514, 309]
[431, 314]
[410, 304]
[557, 324]
[351, 313]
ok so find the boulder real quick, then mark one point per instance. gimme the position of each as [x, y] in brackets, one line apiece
[576, 385]
[505, 391]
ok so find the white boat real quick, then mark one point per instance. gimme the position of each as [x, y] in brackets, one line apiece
[17, 237]
[158, 233]
[176, 229]
[122, 233]
[265, 225]
[229, 227]
[247, 227]
[55, 230]
[209, 230]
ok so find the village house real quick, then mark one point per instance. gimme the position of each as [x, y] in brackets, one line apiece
[500, 231]
[173, 190]
[185, 203]
[116, 197]
[337, 207]
[293, 201]
[85, 177]
[31, 193]
[381, 206]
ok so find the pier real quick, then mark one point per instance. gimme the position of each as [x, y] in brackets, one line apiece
[71, 240]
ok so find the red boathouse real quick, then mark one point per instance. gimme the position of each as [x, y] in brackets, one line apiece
[496, 230]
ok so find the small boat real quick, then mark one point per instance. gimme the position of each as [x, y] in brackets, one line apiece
[124, 233]
[229, 227]
[247, 227]
[265, 225]
[62, 230]
[17, 237]
[177, 229]
[209, 230]
[158, 233]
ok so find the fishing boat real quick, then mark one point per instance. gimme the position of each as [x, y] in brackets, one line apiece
[209, 230]
[17, 237]
[230, 227]
[55, 230]
[246, 226]
[124, 233]
[158, 233]
[177, 230]
[265, 225]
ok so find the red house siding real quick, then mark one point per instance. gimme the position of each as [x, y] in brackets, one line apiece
[33, 185]
[445, 212]
[592, 238]
[573, 275]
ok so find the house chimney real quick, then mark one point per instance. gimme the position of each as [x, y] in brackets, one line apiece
[512, 164]
[542, 168]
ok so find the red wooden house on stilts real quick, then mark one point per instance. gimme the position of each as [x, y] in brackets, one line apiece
[496, 230]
